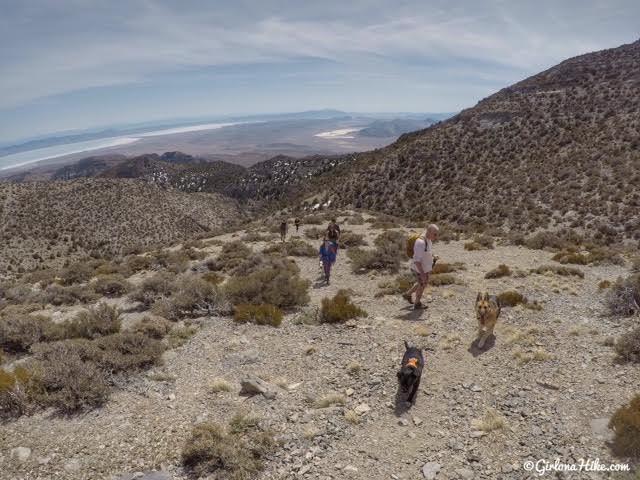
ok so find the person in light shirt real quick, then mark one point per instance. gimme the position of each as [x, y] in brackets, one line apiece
[421, 264]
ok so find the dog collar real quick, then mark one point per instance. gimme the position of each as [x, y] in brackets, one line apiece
[412, 362]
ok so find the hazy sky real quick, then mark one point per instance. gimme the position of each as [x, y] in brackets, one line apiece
[74, 64]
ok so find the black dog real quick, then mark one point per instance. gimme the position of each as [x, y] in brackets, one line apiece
[410, 371]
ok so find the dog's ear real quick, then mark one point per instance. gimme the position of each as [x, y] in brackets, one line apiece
[399, 374]
[485, 297]
[406, 345]
[479, 297]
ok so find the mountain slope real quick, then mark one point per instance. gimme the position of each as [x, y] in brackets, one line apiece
[561, 147]
[50, 220]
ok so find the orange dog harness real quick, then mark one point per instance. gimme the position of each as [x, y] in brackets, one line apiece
[412, 362]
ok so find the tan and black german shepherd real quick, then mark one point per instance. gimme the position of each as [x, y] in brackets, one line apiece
[487, 311]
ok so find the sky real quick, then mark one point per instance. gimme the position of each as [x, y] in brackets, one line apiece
[79, 64]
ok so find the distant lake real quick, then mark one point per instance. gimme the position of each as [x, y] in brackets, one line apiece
[32, 156]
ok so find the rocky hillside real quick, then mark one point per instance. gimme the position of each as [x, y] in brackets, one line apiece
[158, 381]
[561, 147]
[45, 222]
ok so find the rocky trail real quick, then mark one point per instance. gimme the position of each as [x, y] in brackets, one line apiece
[548, 376]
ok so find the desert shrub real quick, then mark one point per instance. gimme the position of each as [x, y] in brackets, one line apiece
[268, 280]
[479, 242]
[232, 254]
[293, 247]
[625, 423]
[16, 391]
[113, 285]
[624, 296]
[559, 270]
[441, 279]
[447, 267]
[211, 450]
[603, 284]
[351, 239]
[511, 298]
[553, 240]
[399, 284]
[70, 384]
[173, 261]
[313, 220]
[125, 351]
[501, 270]
[158, 286]
[575, 258]
[193, 297]
[136, 263]
[43, 277]
[389, 252]
[628, 346]
[259, 314]
[19, 332]
[385, 222]
[356, 219]
[471, 246]
[339, 309]
[93, 323]
[19, 294]
[153, 327]
[179, 335]
[78, 272]
[256, 237]
[213, 278]
[58, 295]
[314, 233]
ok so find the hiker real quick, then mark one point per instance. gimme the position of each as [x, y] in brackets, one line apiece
[421, 264]
[283, 230]
[327, 257]
[333, 232]
[297, 222]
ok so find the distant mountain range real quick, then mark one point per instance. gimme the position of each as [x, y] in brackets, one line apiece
[395, 127]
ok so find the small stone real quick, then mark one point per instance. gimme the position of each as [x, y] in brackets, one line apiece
[362, 409]
[476, 388]
[72, 466]
[171, 397]
[293, 386]
[304, 469]
[403, 422]
[600, 428]
[465, 473]
[254, 386]
[417, 421]
[349, 391]
[477, 434]
[430, 470]
[22, 454]
[350, 469]
[549, 385]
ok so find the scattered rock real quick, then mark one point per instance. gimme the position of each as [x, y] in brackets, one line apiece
[417, 421]
[350, 469]
[600, 427]
[362, 409]
[21, 454]
[465, 473]
[548, 385]
[430, 470]
[255, 386]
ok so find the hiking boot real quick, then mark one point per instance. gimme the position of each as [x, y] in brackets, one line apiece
[407, 297]
[419, 306]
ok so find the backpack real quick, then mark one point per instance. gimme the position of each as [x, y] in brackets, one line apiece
[411, 241]
[332, 232]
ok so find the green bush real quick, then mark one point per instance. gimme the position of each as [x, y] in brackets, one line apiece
[70, 384]
[315, 233]
[126, 351]
[19, 332]
[293, 247]
[211, 450]
[78, 272]
[258, 314]
[113, 285]
[441, 279]
[339, 309]
[153, 327]
[193, 297]
[16, 391]
[398, 285]
[447, 267]
[501, 270]
[58, 295]
[268, 280]
[559, 270]
[351, 239]
[625, 424]
[96, 322]
[153, 288]
[511, 298]
[232, 254]
[624, 296]
[628, 346]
